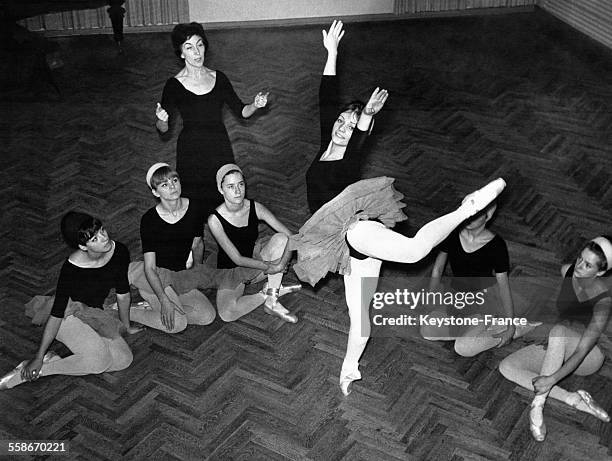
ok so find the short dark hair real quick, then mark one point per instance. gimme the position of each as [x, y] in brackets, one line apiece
[161, 175]
[183, 32]
[77, 228]
[353, 106]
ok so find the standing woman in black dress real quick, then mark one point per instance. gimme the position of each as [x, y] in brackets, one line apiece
[198, 94]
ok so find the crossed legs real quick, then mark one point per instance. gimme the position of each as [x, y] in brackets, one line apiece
[196, 307]
[527, 363]
[233, 304]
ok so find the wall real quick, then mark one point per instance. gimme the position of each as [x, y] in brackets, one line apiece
[433, 6]
[213, 11]
[593, 17]
[140, 15]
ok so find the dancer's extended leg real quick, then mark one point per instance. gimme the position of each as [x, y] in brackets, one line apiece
[375, 240]
[358, 292]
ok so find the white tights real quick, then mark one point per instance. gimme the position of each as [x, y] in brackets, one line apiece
[379, 243]
[531, 361]
[232, 303]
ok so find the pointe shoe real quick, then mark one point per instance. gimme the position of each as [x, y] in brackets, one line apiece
[346, 380]
[273, 307]
[538, 431]
[282, 291]
[593, 407]
[522, 330]
[478, 200]
[10, 375]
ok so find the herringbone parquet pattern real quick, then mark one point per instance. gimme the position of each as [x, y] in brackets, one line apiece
[519, 96]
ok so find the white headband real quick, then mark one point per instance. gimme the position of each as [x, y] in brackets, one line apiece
[606, 247]
[152, 170]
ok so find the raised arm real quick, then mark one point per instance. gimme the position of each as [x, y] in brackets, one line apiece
[375, 104]
[331, 39]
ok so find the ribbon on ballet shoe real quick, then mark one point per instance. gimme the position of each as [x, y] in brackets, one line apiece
[593, 407]
[285, 290]
[280, 291]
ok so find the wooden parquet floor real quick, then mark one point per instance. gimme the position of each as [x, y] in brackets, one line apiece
[520, 96]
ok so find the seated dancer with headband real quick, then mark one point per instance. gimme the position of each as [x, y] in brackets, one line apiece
[480, 264]
[350, 235]
[75, 316]
[338, 163]
[171, 235]
[243, 258]
[584, 304]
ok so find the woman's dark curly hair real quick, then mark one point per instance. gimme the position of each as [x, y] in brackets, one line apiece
[183, 32]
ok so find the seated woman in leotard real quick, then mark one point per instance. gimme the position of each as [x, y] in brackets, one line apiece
[172, 271]
[96, 265]
[242, 259]
[198, 94]
[338, 163]
[584, 305]
[480, 263]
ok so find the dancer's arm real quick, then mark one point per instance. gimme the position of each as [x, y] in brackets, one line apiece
[161, 123]
[259, 101]
[601, 313]
[124, 300]
[163, 109]
[230, 249]
[31, 370]
[167, 306]
[438, 270]
[508, 305]
[197, 250]
[331, 39]
[266, 215]
[234, 102]
[374, 105]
